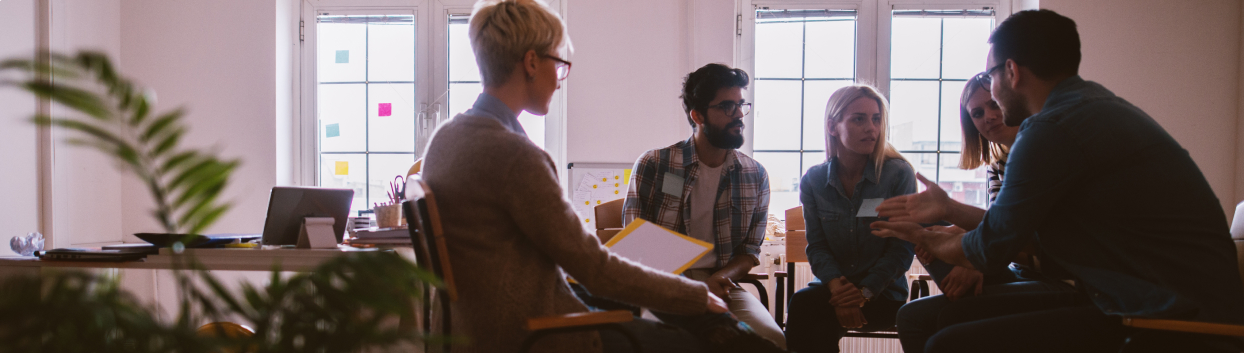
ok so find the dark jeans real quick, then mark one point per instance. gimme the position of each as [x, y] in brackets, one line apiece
[920, 319]
[812, 325]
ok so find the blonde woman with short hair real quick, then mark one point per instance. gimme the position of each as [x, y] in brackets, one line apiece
[859, 277]
[512, 236]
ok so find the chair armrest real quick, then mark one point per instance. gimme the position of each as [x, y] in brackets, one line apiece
[1185, 326]
[756, 276]
[579, 319]
[779, 274]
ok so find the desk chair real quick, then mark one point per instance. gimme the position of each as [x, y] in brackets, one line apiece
[609, 223]
[796, 251]
[1237, 235]
[431, 252]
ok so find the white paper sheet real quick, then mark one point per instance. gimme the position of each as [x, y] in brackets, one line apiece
[868, 208]
[657, 247]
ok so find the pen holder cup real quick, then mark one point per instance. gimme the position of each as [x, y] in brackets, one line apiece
[389, 216]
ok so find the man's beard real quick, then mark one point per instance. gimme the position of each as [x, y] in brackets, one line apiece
[1014, 106]
[721, 138]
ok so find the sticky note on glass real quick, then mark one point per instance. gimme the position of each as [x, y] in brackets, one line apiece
[868, 208]
[332, 130]
[626, 176]
[386, 109]
[343, 168]
[343, 56]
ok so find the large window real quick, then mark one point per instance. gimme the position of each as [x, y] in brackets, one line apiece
[802, 56]
[919, 56]
[377, 77]
[365, 102]
[933, 54]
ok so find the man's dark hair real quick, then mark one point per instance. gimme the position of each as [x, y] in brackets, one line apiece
[1041, 40]
[699, 88]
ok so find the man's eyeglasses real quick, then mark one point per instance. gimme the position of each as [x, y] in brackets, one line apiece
[563, 66]
[729, 107]
[984, 79]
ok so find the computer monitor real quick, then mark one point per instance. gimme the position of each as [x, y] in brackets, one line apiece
[288, 206]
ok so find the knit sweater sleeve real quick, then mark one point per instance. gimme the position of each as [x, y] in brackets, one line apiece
[542, 214]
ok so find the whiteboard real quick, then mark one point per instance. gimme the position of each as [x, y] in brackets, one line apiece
[592, 184]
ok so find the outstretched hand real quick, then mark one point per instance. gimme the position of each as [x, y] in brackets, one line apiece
[909, 231]
[929, 206]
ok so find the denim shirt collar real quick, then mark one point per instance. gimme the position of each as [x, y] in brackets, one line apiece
[831, 173]
[488, 106]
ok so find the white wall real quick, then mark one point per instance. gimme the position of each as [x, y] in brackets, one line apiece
[217, 58]
[19, 198]
[86, 185]
[1180, 62]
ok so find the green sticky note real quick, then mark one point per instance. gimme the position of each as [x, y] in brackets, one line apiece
[343, 56]
[332, 130]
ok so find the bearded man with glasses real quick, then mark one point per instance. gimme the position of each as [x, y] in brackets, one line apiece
[705, 188]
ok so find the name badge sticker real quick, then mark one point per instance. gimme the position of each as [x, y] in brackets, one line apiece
[868, 208]
[672, 184]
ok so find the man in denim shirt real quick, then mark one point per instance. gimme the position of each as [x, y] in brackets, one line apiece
[1109, 195]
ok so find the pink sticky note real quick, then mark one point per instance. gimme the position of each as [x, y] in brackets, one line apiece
[386, 109]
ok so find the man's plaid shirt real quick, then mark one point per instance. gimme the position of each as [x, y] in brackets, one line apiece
[741, 210]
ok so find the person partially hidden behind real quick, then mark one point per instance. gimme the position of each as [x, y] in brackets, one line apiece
[1107, 193]
[859, 278]
[705, 188]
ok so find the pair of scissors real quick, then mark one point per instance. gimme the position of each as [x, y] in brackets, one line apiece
[395, 189]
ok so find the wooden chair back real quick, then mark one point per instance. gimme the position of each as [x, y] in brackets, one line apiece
[426, 233]
[608, 219]
[796, 236]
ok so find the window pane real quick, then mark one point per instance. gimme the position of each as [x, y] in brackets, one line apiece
[952, 133]
[811, 159]
[534, 126]
[777, 49]
[924, 163]
[967, 186]
[830, 49]
[391, 113]
[913, 115]
[342, 114]
[383, 169]
[914, 46]
[462, 96]
[815, 98]
[966, 45]
[391, 50]
[341, 51]
[460, 54]
[783, 168]
[346, 171]
[776, 115]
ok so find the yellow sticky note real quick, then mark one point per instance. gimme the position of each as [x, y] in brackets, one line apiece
[343, 168]
[597, 202]
[603, 180]
[593, 186]
[615, 192]
[615, 177]
[626, 176]
[587, 202]
[589, 220]
[616, 185]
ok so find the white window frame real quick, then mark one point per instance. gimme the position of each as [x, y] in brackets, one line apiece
[431, 77]
[873, 21]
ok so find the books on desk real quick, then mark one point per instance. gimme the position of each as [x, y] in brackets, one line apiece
[381, 236]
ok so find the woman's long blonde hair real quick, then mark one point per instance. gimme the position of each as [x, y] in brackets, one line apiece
[977, 150]
[834, 111]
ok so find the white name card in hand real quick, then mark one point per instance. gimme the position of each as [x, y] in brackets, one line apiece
[317, 233]
[657, 247]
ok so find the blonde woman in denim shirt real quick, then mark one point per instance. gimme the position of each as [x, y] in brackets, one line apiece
[860, 283]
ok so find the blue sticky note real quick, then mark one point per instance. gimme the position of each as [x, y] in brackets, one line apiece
[332, 130]
[343, 56]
